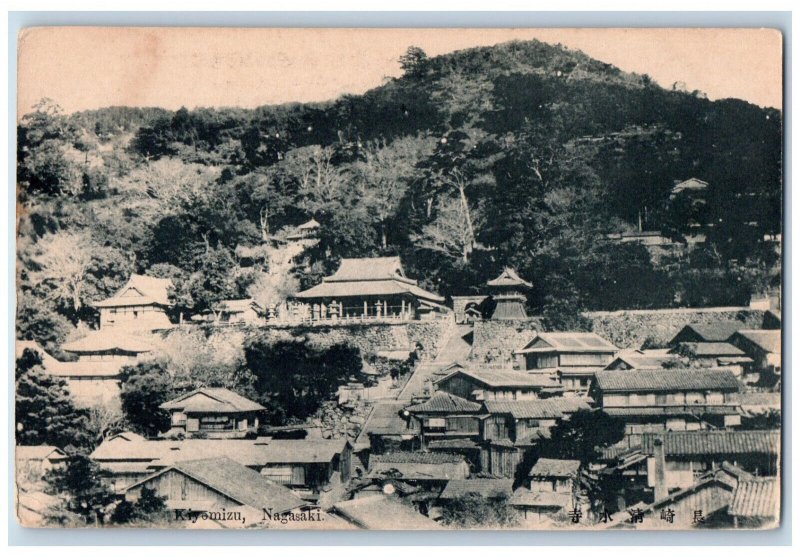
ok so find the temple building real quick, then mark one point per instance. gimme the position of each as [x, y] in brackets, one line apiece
[508, 294]
[140, 304]
[369, 288]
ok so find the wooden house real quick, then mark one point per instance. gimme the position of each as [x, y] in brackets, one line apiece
[237, 311]
[763, 346]
[141, 303]
[446, 416]
[669, 399]
[309, 230]
[309, 466]
[213, 412]
[216, 485]
[368, 289]
[717, 331]
[494, 384]
[554, 475]
[643, 360]
[388, 427]
[756, 503]
[37, 460]
[550, 351]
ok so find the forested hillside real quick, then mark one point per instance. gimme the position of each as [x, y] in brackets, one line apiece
[522, 154]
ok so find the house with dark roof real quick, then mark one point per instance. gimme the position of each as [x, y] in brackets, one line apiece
[756, 503]
[668, 399]
[575, 355]
[369, 289]
[387, 427]
[508, 295]
[496, 384]
[715, 354]
[213, 484]
[717, 331]
[446, 416]
[141, 303]
[642, 360]
[431, 470]
[213, 412]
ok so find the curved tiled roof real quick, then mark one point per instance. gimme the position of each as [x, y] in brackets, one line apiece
[213, 400]
[146, 291]
[689, 443]
[666, 380]
[445, 402]
[509, 277]
[540, 408]
[756, 498]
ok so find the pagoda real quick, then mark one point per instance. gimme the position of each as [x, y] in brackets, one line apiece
[508, 293]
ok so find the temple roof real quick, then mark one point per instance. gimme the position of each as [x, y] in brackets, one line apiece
[139, 290]
[509, 277]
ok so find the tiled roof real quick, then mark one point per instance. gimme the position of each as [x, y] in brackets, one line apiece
[368, 268]
[555, 468]
[719, 331]
[708, 349]
[445, 402]
[767, 340]
[508, 277]
[240, 483]
[686, 410]
[756, 498]
[568, 342]
[642, 361]
[555, 407]
[503, 378]
[150, 290]
[489, 488]
[105, 340]
[705, 443]
[235, 306]
[666, 380]
[307, 451]
[383, 513]
[417, 458]
[450, 444]
[213, 400]
[39, 452]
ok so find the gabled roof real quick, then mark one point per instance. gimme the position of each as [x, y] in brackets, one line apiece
[39, 452]
[237, 482]
[503, 378]
[666, 380]
[712, 442]
[509, 277]
[767, 340]
[488, 488]
[555, 468]
[568, 342]
[213, 400]
[708, 349]
[139, 290]
[642, 361]
[718, 331]
[307, 451]
[106, 340]
[309, 225]
[383, 513]
[445, 402]
[416, 457]
[546, 408]
[756, 498]
[371, 276]
[432, 466]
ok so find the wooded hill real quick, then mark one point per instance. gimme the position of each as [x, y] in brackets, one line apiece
[523, 154]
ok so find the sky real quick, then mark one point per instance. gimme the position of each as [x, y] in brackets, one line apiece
[85, 68]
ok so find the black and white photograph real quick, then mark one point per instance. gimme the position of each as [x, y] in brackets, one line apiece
[399, 279]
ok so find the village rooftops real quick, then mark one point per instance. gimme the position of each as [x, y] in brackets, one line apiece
[487, 488]
[568, 342]
[442, 402]
[379, 512]
[509, 278]
[554, 468]
[138, 291]
[237, 482]
[502, 378]
[378, 276]
[663, 380]
[711, 442]
[212, 400]
[106, 341]
[418, 466]
[547, 408]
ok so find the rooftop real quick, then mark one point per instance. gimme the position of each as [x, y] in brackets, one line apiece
[756, 498]
[544, 408]
[503, 378]
[568, 342]
[445, 402]
[642, 361]
[524, 497]
[384, 419]
[235, 306]
[696, 349]
[139, 290]
[767, 340]
[718, 331]
[711, 442]
[555, 468]
[509, 277]
[383, 513]
[107, 341]
[666, 380]
[238, 482]
[39, 452]
[212, 400]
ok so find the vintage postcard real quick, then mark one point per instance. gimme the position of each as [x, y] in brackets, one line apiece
[408, 279]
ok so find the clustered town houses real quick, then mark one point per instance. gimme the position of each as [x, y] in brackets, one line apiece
[461, 423]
